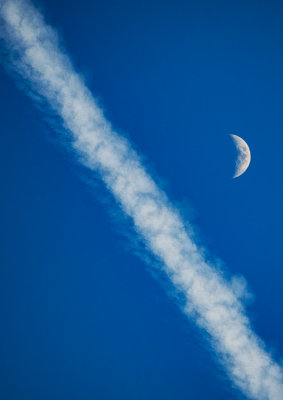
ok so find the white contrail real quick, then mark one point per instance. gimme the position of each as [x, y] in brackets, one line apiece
[210, 300]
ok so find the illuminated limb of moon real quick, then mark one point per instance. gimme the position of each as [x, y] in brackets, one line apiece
[243, 157]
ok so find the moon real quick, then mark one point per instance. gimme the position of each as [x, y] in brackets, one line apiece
[243, 157]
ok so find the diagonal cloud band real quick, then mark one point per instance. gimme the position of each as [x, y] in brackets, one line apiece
[210, 300]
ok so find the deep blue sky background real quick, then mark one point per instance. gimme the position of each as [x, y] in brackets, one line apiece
[81, 316]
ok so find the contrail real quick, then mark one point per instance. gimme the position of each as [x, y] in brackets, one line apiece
[210, 300]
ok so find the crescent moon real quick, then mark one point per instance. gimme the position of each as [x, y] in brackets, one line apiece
[244, 156]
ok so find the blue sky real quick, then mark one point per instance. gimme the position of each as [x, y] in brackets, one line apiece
[82, 317]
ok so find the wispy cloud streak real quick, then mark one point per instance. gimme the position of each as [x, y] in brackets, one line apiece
[210, 300]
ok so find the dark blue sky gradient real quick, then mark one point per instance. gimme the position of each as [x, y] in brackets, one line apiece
[81, 316]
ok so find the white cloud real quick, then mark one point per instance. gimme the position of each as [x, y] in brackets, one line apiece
[213, 302]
